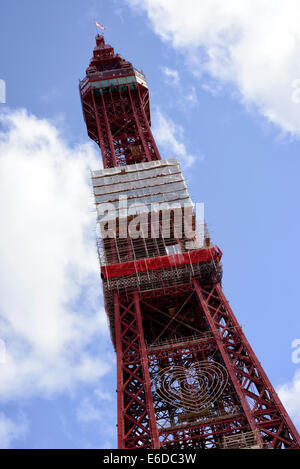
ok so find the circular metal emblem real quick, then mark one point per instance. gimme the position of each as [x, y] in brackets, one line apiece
[194, 388]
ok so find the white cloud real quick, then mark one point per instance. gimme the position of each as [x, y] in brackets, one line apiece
[169, 136]
[171, 76]
[49, 311]
[102, 395]
[98, 408]
[289, 393]
[87, 411]
[186, 96]
[251, 44]
[93, 410]
[191, 96]
[11, 430]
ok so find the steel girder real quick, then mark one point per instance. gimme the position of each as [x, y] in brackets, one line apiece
[248, 401]
[119, 124]
[261, 404]
[136, 419]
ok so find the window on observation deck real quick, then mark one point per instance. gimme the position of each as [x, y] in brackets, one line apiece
[114, 85]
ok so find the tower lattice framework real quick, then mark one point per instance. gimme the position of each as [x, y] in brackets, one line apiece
[187, 377]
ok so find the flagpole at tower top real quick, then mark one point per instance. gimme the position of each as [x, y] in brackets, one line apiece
[99, 28]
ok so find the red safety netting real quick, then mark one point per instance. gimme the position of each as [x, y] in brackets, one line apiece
[153, 263]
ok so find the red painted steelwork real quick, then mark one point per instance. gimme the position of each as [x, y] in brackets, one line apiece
[267, 410]
[170, 332]
[115, 103]
[154, 263]
[136, 419]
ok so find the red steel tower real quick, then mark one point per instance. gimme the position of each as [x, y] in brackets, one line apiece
[187, 377]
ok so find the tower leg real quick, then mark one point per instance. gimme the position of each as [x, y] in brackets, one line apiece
[136, 419]
[262, 406]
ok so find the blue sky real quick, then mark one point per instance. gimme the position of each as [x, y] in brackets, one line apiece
[224, 99]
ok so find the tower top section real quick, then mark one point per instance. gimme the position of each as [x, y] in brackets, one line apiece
[105, 59]
[116, 109]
